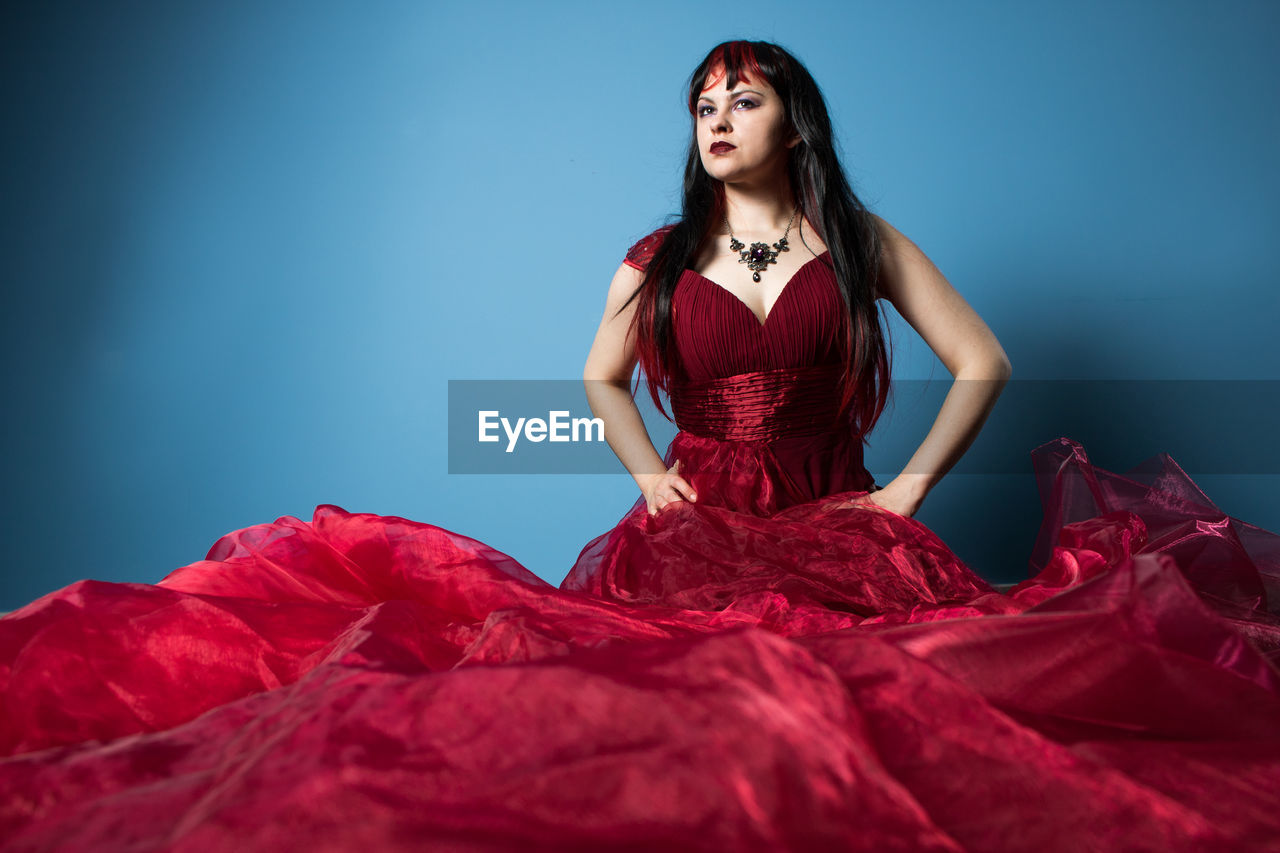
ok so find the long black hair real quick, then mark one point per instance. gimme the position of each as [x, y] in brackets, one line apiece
[824, 197]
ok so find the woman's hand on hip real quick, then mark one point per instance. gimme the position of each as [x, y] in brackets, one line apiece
[897, 500]
[662, 490]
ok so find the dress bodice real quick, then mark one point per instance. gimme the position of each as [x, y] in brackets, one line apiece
[717, 335]
[760, 397]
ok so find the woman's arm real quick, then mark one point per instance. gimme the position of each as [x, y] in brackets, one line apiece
[607, 378]
[968, 348]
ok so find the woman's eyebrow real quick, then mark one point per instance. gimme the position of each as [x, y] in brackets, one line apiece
[735, 94]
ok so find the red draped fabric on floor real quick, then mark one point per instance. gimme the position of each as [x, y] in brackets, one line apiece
[770, 668]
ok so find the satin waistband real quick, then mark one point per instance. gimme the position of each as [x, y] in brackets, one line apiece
[761, 405]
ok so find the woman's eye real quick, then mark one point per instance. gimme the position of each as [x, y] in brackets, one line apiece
[705, 108]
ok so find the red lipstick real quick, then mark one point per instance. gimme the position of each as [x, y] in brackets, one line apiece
[721, 147]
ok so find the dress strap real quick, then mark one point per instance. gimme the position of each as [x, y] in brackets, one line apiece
[761, 405]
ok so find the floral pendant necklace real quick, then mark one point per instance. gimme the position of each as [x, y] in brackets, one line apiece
[758, 256]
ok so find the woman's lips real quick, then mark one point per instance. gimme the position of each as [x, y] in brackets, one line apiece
[721, 147]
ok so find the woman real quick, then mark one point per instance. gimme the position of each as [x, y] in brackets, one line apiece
[760, 161]
[777, 369]
[765, 654]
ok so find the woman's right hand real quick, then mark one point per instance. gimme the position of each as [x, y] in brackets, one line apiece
[662, 490]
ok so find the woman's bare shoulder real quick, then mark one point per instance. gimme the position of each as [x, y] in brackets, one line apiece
[895, 249]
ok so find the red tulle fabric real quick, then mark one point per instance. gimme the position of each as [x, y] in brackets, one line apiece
[769, 668]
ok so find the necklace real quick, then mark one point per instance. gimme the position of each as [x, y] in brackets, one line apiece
[758, 256]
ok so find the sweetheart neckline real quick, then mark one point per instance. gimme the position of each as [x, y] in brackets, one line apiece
[760, 324]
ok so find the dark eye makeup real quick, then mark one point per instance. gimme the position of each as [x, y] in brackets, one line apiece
[747, 101]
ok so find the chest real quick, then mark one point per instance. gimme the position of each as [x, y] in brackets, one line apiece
[719, 334]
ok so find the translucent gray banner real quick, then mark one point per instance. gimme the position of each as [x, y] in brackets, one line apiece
[1206, 426]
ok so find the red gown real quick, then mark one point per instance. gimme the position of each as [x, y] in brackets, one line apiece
[766, 669]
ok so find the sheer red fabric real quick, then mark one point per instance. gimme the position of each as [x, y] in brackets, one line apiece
[769, 668]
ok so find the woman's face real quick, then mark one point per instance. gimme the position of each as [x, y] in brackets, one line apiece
[743, 134]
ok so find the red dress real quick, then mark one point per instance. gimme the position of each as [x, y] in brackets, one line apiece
[765, 669]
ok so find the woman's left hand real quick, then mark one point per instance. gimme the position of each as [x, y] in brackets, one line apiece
[894, 499]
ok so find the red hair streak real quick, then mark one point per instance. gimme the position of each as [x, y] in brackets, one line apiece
[739, 58]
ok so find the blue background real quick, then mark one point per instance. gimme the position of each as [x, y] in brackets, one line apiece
[246, 245]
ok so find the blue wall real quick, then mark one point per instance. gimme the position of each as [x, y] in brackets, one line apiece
[245, 246]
